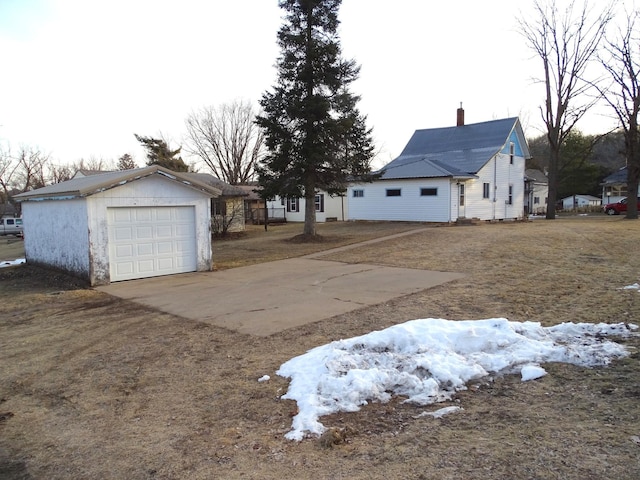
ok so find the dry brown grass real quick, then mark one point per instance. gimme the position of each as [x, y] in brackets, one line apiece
[104, 388]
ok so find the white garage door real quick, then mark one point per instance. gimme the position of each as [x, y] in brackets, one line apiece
[151, 241]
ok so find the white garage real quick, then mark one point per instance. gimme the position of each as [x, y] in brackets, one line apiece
[120, 225]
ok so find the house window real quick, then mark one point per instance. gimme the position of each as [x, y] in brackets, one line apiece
[486, 190]
[292, 205]
[512, 152]
[219, 206]
[358, 193]
[319, 201]
[428, 192]
[510, 200]
[536, 200]
[461, 191]
[394, 192]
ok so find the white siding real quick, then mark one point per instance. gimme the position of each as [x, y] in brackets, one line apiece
[409, 206]
[498, 171]
[153, 191]
[334, 207]
[57, 234]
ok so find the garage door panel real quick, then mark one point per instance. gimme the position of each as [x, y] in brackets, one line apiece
[150, 241]
[165, 231]
[125, 268]
[124, 251]
[122, 215]
[144, 249]
[143, 214]
[123, 233]
[144, 232]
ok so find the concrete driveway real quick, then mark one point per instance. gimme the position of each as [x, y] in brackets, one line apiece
[270, 297]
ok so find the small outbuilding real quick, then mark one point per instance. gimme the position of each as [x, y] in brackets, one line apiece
[121, 225]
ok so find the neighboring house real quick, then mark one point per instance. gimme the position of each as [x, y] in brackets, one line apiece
[85, 172]
[227, 210]
[536, 192]
[575, 202]
[120, 225]
[253, 204]
[446, 174]
[328, 208]
[614, 187]
[8, 210]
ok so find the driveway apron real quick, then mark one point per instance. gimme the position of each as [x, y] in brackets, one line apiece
[267, 298]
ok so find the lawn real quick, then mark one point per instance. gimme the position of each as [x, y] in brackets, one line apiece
[95, 387]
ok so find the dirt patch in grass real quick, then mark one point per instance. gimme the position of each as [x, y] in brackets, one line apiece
[99, 387]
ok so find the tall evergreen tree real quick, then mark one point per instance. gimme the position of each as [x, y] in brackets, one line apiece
[125, 162]
[315, 136]
[159, 153]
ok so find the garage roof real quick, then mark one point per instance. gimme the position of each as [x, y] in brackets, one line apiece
[92, 184]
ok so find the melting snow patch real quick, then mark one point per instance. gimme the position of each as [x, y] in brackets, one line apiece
[9, 263]
[264, 378]
[440, 413]
[635, 286]
[429, 360]
[531, 372]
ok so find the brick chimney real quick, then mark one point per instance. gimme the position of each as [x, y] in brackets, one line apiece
[460, 121]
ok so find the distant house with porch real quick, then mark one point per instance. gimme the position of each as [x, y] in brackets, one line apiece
[451, 173]
[614, 187]
[536, 192]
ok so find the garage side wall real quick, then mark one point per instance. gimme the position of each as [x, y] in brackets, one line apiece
[57, 234]
[154, 191]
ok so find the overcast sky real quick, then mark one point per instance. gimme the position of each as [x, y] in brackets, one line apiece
[80, 77]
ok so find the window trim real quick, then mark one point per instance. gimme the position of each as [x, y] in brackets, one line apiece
[429, 191]
[293, 205]
[319, 202]
[358, 193]
[486, 190]
[393, 192]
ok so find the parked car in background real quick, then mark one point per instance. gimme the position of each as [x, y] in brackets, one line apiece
[11, 226]
[618, 207]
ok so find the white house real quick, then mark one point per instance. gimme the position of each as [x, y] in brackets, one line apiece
[575, 202]
[328, 207]
[536, 192]
[120, 225]
[445, 174]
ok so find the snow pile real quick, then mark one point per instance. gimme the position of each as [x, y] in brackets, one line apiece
[429, 360]
[634, 286]
[9, 263]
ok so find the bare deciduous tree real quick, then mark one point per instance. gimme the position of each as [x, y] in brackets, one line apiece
[227, 140]
[566, 42]
[31, 169]
[60, 173]
[621, 60]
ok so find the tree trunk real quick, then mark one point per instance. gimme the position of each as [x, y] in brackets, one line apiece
[310, 212]
[552, 178]
[633, 169]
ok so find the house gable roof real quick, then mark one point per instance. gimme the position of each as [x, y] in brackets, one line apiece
[458, 152]
[536, 176]
[227, 189]
[92, 184]
[616, 178]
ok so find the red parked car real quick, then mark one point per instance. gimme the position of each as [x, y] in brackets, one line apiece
[618, 208]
